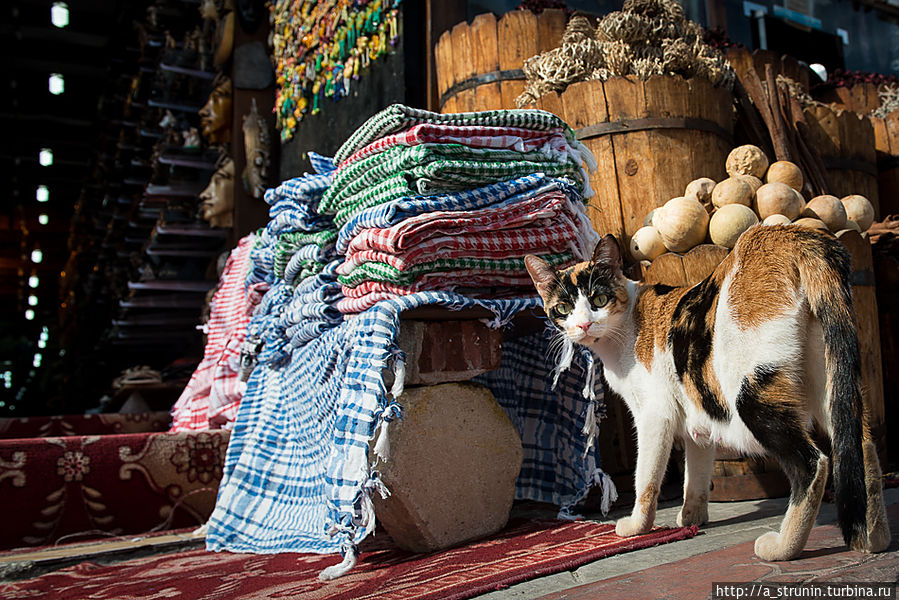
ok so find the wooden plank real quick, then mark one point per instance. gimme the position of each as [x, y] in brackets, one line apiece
[463, 66]
[486, 60]
[584, 104]
[550, 27]
[667, 269]
[440, 16]
[443, 57]
[517, 35]
[881, 137]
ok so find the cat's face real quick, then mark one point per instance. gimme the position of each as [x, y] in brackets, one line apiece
[584, 301]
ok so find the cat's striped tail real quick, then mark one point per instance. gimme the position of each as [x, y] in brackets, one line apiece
[825, 270]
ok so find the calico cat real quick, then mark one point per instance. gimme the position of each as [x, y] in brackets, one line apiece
[747, 358]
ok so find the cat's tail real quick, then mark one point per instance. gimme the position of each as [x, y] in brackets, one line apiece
[826, 275]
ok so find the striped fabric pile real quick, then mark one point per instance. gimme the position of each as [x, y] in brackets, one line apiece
[211, 397]
[454, 202]
[424, 210]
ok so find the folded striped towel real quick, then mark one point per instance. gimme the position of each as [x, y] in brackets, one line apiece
[397, 117]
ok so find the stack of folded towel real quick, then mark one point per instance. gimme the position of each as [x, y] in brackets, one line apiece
[454, 203]
[426, 210]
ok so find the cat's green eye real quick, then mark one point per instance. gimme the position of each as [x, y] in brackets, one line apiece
[562, 309]
[599, 300]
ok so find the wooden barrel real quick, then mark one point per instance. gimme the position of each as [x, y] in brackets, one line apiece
[861, 98]
[479, 66]
[738, 478]
[783, 64]
[845, 141]
[650, 138]
[886, 144]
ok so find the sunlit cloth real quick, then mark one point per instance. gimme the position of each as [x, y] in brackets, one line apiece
[497, 225]
[496, 196]
[297, 475]
[463, 266]
[435, 176]
[551, 141]
[397, 117]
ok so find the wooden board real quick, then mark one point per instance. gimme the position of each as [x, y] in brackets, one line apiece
[463, 66]
[516, 32]
[487, 96]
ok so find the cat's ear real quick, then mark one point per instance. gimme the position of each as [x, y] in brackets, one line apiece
[541, 274]
[608, 253]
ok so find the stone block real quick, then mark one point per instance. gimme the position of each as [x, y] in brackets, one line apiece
[454, 459]
[445, 351]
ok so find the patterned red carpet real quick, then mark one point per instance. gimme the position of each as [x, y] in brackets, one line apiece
[80, 486]
[524, 550]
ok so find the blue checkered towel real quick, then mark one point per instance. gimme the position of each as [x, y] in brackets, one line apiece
[297, 475]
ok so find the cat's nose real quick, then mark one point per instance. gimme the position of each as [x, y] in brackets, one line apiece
[585, 326]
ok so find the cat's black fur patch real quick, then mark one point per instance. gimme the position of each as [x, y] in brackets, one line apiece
[690, 340]
[779, 429]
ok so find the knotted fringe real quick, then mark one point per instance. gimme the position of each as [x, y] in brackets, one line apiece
[564, 361]
[382, 443]
[609, 491]
[342, 568]
[589, 392]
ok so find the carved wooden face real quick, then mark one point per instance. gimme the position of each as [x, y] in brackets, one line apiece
[215, 116]
[217, 200]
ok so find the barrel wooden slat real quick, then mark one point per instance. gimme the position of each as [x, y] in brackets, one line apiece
[517, 42]
[550, 27]
[463, 66]
[443, 56]
[581, 105]
[846, 142]
[486, 60]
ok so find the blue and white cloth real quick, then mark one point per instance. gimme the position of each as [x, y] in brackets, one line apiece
[297, 475]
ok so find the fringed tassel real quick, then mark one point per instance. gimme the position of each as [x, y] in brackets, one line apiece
[382, 444]
[609, 491]
[200, 531]
[399, 374]
[564, 360]
[342, 568]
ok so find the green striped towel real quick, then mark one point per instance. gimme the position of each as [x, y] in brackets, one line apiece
[398, 117]
[378, 271]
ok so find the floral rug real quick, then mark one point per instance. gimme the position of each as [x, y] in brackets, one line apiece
[55, 489]
[41, 427]
[526, 549]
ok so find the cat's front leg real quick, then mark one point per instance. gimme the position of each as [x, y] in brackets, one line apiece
[699, 462]
[654, 437]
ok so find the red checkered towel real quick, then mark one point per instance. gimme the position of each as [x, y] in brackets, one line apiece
[474, 136]
[213, 393]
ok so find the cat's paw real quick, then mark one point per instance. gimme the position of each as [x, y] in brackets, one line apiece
[628, 526]
[770, 546]
[696, 514]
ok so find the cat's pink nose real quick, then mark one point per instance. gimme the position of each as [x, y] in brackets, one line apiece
[585, 326]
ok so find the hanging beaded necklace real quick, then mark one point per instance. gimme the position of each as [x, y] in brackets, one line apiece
[320, 46]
